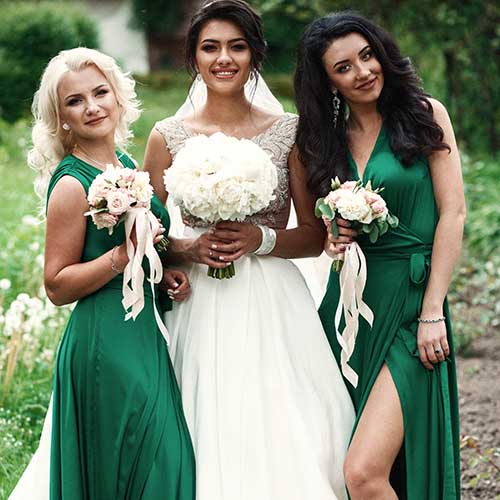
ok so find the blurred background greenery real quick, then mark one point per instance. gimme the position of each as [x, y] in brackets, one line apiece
[454, 45]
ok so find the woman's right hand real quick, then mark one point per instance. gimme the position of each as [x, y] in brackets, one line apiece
[335, 247]
[201, 250]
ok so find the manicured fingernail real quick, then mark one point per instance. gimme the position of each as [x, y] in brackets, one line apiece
[214, 246]
[228, 264]
[221, 257]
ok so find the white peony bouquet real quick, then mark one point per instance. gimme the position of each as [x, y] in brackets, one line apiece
[220, 178]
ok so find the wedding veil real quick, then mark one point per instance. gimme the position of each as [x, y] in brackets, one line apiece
[256, 91]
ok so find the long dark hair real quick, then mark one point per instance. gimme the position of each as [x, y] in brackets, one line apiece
[404, 106]
[235, 11]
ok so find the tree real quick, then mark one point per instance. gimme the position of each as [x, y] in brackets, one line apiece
[164, 23]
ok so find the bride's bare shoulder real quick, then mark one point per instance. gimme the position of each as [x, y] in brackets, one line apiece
[263, 118]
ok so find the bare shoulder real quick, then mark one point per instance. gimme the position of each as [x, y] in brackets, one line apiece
[156, 139]
[68, 195]
[264, 119]
[439, 111]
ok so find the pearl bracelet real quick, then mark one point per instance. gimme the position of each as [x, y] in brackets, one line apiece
[268, 240]
[113, 267]
[433, 320]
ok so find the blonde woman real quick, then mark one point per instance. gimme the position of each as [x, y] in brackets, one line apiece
[118, 430]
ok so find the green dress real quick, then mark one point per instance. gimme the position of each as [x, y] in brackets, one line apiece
[118, 428]
[428, 466]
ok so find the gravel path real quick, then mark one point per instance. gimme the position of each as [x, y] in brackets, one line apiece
[479, 389]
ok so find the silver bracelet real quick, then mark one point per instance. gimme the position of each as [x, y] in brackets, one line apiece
[113, 267]
[268, 240]
[433, 320]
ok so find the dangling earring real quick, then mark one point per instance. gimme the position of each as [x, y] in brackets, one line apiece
[66, 127]
[336, 106]
[198, 77]
[252, 75]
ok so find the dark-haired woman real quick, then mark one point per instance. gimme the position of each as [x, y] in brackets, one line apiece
[250, 354]
[363, 115]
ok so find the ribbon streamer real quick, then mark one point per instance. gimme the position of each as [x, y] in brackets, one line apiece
[352, 284]
[146, 226]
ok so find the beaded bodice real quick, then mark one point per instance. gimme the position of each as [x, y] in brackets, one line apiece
[277, 141]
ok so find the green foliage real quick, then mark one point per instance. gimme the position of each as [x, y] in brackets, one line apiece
[30, 35]
[156, 16]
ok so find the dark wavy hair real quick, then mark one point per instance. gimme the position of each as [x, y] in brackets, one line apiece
[235, 11]
[404, 106]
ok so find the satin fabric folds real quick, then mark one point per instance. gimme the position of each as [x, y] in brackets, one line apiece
[398, 267]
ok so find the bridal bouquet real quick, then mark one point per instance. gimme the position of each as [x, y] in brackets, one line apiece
[122, 194]
[367, 211]
[221, 178]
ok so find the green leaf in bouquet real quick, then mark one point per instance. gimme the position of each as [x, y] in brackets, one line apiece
[392, 220]
[322, 209]
[335, 228]
[368, 186]
[374, 233]
[366, 228]
[383, 226]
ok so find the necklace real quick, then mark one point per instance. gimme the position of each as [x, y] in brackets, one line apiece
[88, 157]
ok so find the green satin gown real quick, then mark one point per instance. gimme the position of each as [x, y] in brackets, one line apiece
[428, 466]
[118, 429]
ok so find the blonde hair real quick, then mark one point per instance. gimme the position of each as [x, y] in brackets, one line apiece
[50, 142]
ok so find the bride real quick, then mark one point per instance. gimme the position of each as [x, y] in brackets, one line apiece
[269, 415]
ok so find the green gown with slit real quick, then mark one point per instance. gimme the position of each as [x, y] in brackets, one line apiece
[118, 430]
[428, 466]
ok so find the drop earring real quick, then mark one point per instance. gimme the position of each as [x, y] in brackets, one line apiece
[336, 106]
[198, 77]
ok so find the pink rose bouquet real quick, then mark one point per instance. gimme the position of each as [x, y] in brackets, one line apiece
[114, 192]
[361, 205]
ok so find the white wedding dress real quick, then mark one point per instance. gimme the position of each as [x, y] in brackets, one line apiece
[269, 414]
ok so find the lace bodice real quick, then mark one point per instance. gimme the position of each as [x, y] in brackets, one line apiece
[277, 140]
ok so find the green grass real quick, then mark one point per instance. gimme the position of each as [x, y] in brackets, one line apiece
[23, 405]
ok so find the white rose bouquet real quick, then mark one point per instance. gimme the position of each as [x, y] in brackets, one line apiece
[220, 178]
[122, 194]
[367, 211]
[361, 205]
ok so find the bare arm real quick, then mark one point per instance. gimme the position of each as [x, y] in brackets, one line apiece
[156, 159]
[449, 194]
[306, 240]
[66, 278]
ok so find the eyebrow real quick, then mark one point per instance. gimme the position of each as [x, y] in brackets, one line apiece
[347, 60]
[93, 90]
[211, 40]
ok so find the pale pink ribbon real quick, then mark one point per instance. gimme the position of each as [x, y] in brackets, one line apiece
[146, 226]
[352, 284]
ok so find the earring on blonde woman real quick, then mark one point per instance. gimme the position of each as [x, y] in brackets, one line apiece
[66, 127]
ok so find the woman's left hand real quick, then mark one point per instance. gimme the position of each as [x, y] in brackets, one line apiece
[235, 240]
[176, 284]
[432, 343]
